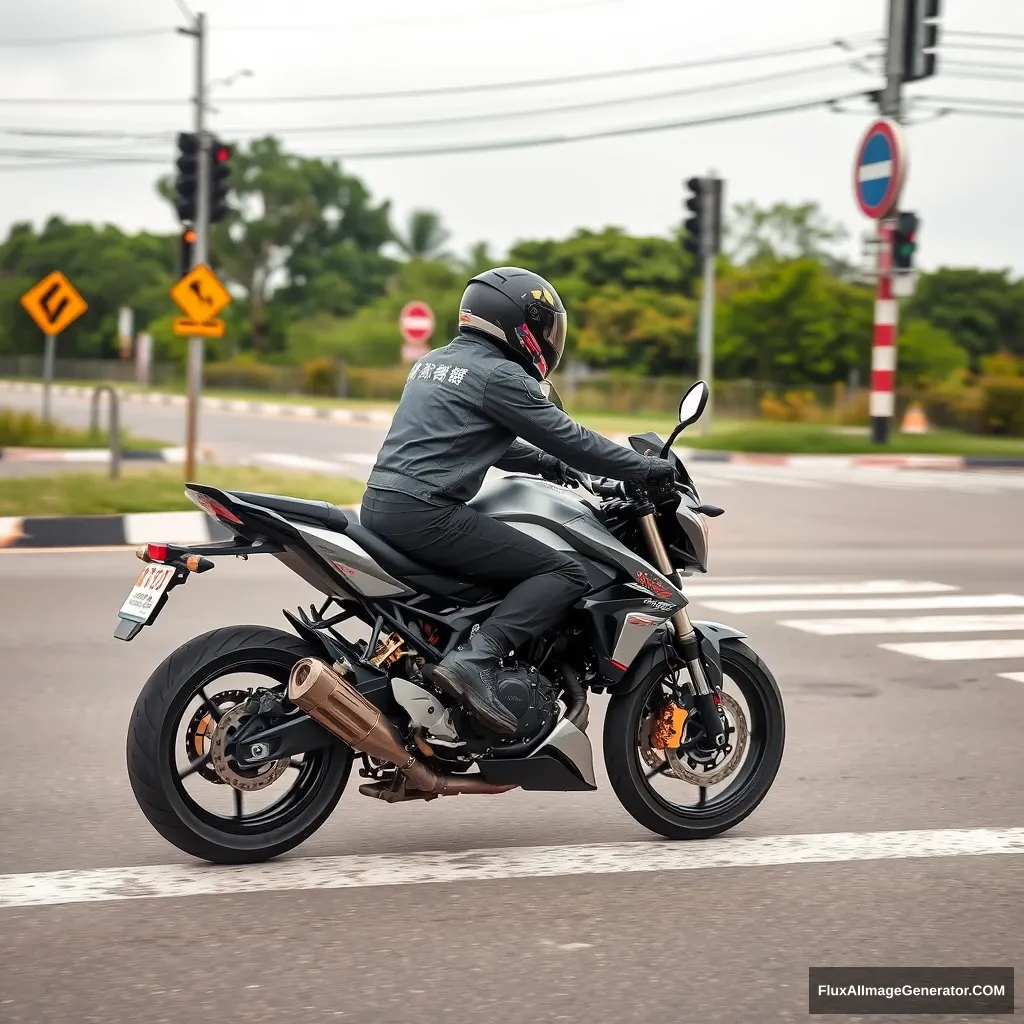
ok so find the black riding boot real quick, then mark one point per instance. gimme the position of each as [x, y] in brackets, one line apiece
[470, 675]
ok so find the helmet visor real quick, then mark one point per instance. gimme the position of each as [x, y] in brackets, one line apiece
[554, 335]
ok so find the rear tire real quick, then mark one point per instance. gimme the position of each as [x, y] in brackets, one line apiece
[627, 771]
[152, 732]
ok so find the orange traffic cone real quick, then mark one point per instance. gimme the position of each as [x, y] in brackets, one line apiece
[914, 420]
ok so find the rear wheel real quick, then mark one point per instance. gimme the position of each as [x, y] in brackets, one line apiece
[193, 794]
[689, 792]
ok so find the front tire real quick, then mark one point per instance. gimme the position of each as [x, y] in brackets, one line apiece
[628, 772]
[158, 783]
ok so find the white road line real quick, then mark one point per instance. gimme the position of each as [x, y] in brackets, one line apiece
[808, 589]
[910, 624]
[871, 604]
[359, 458]
[1016, 677]
[177, 880]
[960, 650]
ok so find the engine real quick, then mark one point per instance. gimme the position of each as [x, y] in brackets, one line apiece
[530, 696]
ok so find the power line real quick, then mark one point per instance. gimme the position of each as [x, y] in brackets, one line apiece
[983, 35]
[431, 122]
[588, 76]
[1013, 48]
[96, 37]
[606, 133]
[447, 90]
[983, 65]
[433, 20]
[977, 100]
[80, 158]
[120, 134]
[978, 112]
[983, 77]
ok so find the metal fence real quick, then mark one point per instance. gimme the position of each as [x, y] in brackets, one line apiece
[114, 371]
[582, 391]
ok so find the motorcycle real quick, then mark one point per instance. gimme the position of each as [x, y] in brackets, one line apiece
[673, 729]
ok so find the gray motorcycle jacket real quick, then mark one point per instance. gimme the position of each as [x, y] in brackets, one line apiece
[461, 411]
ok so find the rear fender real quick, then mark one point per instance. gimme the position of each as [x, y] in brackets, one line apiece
[653, 653]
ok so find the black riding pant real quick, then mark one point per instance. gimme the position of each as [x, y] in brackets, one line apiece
[458, 541]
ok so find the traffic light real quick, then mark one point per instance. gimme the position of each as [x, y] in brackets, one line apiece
[704, 225]
[220, 176]
[904, 241]
[185, 243]
[921, 37]
[186, 184]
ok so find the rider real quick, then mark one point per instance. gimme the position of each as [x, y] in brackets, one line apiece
[461, 411]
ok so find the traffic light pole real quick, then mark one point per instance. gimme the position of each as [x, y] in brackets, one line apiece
[707, 337]
[201, 246]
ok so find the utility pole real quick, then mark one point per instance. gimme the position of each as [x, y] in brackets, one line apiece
[200, 247]
[890, 99]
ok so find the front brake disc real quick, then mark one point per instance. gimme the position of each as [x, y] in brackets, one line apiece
[678, 767]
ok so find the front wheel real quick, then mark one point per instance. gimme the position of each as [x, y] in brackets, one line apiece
[198, 798]
[691, 792]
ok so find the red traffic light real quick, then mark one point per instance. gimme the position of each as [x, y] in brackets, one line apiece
[222, 154]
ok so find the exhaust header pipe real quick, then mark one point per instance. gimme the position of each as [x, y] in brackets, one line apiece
[330, 699]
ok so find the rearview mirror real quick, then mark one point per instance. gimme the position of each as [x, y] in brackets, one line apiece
[551, 394]
[694, 402]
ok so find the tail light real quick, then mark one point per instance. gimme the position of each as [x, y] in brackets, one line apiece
[156, 553]
[212, 507]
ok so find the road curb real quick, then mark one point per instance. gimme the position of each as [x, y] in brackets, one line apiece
[128, 529]
[947, 462]
[122, 530]
[90, 455]
[241, 407]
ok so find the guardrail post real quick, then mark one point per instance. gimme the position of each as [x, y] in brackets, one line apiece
[114, 438]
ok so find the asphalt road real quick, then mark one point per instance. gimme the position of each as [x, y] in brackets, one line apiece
[879, 741]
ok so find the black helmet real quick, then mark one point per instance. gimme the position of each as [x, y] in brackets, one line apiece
[521, 311]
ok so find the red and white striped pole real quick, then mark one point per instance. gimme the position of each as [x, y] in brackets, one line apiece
[883, 353]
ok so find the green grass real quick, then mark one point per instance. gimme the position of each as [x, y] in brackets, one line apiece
[815, 439]
[157, 490]
[26, 430]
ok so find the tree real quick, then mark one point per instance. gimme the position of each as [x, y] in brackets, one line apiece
[108, 267]
[301, 237]
[927, 354]
[589, 261]
[783, 231]
[793, 323]
[425, 237]
[983, 310]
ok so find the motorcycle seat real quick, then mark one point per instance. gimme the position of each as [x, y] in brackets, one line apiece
[391, 560]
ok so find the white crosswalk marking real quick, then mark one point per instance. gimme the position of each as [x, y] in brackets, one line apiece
[870, 604]
[960, 650]
[774, 597]
[701, 590]
[920, 624]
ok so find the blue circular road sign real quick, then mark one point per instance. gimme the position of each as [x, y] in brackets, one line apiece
[880, 169]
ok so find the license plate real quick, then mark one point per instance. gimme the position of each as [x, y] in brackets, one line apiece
[146, 594]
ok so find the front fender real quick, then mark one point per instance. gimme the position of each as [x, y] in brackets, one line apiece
[653, 652]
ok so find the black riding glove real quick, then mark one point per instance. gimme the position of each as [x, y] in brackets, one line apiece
[559, 473]
[661, 474]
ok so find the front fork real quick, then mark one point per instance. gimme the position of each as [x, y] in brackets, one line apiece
[686, 636]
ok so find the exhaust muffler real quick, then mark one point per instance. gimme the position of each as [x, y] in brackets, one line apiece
[328, 698]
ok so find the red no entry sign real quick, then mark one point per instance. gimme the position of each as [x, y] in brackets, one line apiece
[416, 322]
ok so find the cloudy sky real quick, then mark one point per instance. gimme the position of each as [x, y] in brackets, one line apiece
[964, 177]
